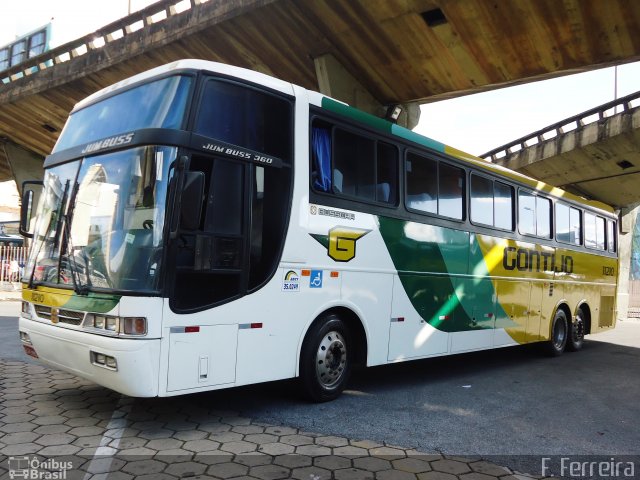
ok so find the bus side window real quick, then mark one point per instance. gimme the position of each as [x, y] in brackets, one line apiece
[321, 160]
[611, 236]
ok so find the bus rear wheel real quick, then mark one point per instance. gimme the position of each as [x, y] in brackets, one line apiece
[576, 332]
[559, 335]
[325, 360]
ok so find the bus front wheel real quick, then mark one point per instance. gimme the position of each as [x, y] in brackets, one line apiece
[325, 360]
[559, 334]
[576, 332]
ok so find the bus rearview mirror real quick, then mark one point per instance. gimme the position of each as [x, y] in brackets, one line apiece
[30, 191]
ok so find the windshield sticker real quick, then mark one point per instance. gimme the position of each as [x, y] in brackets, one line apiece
[291, 281]
[241, 153]
[129, 238]
[108, 142]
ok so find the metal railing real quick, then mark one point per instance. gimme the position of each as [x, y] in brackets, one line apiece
[564, 126]
[154, 13]
[12, 262]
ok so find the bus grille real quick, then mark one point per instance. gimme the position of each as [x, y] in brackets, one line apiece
[64, 316]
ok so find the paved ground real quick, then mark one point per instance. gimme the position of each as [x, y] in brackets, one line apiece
[479, 405]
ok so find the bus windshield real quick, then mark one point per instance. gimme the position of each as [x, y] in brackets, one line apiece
[100, 221]
[158, 104]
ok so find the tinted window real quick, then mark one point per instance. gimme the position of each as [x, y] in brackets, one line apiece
[451, 191]
[481, 200]
[594, 228]
[611, 236]
[353, 165]
[491, 202]
[568, 227]
[600, 240]
[575, 225]
[503, 205]
[158, 104]
[534, 214]
[422, 183]
[386, 173]
[526, 212]
[245, 117]
[543, 217]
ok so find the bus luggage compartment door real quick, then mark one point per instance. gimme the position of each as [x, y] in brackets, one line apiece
[202, 358]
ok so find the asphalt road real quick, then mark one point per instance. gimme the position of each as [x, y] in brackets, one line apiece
[502, 405]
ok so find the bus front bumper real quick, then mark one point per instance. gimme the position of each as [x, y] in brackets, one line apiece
[132, 371]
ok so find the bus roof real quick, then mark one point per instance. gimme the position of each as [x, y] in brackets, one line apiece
[188, 64]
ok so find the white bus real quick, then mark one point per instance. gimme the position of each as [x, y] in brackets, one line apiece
[203, 226]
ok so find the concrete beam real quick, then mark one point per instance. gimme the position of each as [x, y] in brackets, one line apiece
[335, 81]
[25, 165]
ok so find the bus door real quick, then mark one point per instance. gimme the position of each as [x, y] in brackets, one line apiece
[209, 250]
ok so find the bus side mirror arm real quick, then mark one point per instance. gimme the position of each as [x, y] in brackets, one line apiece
[26, 207]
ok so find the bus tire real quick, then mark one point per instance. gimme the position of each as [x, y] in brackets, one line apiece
[576, 332]
[326, 359]
[559, 334]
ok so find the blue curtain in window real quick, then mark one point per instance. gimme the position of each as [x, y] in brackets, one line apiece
[321, 139]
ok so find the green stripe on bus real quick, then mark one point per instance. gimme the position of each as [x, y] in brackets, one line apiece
[93, 302]
[446, 281]
[417, 138]
[357, 115]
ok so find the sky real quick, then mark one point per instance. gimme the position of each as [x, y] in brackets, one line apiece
[473, 123]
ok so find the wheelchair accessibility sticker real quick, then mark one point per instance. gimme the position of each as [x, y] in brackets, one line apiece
[315, 279]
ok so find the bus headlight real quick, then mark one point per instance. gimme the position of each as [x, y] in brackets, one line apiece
[134, 326]
[98, 321]
[111, 324]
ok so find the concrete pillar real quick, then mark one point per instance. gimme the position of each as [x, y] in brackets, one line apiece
[25, 165]
[628, 218]
[335, 81]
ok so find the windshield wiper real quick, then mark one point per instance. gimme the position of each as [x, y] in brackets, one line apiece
[80, 289]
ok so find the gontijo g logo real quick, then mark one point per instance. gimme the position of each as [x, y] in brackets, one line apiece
[341, 242]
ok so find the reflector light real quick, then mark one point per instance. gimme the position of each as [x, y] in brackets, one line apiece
[191, 329]
[306, 273]
[401, 319]
[29, 350]
[335, 274]
[256, 325]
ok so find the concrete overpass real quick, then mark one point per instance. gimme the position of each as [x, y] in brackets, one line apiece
[595, 154]
[371, 54]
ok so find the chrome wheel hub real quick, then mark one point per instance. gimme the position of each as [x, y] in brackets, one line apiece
[331, 359]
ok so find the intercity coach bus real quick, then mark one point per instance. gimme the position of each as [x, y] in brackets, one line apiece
[203, 226]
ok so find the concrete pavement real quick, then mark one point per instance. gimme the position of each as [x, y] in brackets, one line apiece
[97, 433]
